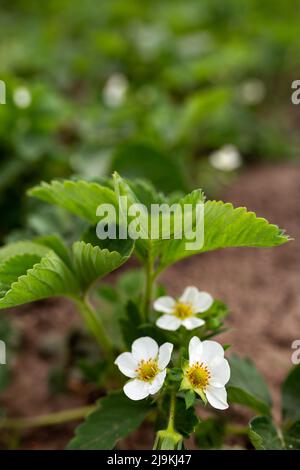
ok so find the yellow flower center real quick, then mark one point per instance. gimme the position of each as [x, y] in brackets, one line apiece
[198, 375]
[183, 311]
[147, 370]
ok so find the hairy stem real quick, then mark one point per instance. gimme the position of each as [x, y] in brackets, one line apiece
[171, 421]
[94, 325]
[47, 420]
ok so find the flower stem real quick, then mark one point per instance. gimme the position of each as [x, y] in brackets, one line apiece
[47, 420]
[171, 421]
[94, 324]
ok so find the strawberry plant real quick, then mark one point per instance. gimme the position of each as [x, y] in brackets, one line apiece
[162, 362]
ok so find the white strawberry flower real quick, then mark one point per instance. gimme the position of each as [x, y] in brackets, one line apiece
[182, 311]
[207, 372]
[146, 366]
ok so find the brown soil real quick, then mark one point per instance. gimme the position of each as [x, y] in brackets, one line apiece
[261, 288]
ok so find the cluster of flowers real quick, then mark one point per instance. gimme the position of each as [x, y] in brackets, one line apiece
[206, 372]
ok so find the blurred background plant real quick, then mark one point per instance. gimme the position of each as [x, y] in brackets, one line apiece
[182, 93]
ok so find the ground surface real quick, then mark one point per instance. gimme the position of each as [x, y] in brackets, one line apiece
[262, 288]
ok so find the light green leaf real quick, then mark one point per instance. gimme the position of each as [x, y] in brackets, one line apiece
[48, 278]
[224, 227]
[263, 434]
[78, 197]
[290, 392]
[55, 243]
[115, 417]
[247, 386]
[92, 263]
[22, 248]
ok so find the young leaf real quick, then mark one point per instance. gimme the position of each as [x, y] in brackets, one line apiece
[55, 243]
[92, 263]
[225, 226]
[290, 392]
[115, 417]
[247, 386]
[78, 197]
[48, 278]
[189, 398]
[263, 434]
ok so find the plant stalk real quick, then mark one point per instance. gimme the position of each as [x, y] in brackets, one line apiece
[47, 420]
[171, 421]
[95, 326]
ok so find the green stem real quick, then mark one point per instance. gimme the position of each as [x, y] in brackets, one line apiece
[94, 324]
[148, 288]
[171, 421]
[47, 420]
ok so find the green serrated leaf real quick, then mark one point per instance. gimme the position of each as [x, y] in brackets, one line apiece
[247, 386]
[78, 197]
[263, 434]
[224, 227]
[48, 278]
[92, 263]
[290, 391]
[115, 417]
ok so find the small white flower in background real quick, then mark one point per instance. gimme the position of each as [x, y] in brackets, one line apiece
[146, 366]
[227, 158]
[207, 372]
[22, 97]
[252, 91]
[182, 312]
[114, 91]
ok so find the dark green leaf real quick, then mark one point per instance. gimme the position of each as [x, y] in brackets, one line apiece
[263, 434]
[291, 396]
[115, 417]
[210, 434]
[247, 386]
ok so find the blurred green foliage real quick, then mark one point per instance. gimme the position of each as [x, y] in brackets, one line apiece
[149, 88]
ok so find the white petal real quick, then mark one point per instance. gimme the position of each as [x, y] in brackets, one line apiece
[136, 389]
[203, 301]
[164, 304]
[126, 364]
[212, 352]
[189, 295]
[217, 397]
[144, 348]
[157, 383]
[164, 355]
[195, 350]
[220, 373]
[192, 322]
[168, 322]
